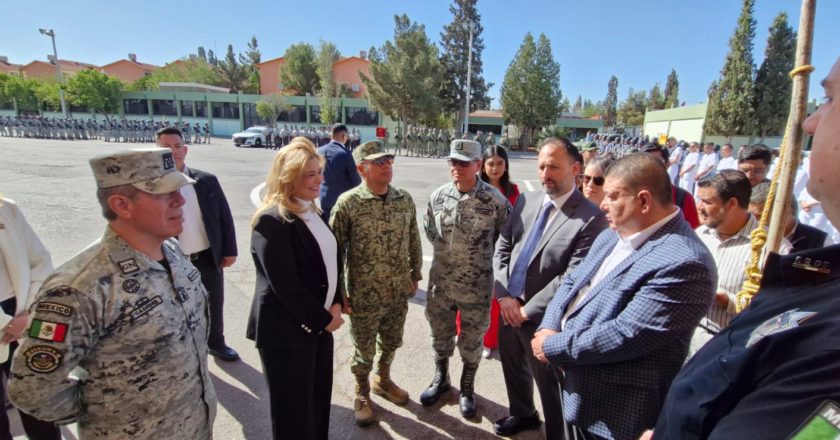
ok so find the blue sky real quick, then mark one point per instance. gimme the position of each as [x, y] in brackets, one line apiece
[637, 40]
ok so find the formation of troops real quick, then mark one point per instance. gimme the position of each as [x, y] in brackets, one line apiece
[434, 142]
[108, 130]
[279, 137]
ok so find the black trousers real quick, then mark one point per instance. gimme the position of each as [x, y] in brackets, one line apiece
[300, 389]
[213, 279]
[35, 429]
[521, 369]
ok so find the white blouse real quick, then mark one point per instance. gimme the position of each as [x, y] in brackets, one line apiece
[326, 241]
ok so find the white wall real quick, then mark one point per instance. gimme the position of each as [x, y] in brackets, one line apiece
[654, 129]
[689, 130]
[225, 127]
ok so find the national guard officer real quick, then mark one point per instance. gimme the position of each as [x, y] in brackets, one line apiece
[398, 137]
[206, 130]
[410, 136]
[773, 372]
[379, 245]
[462, 221]
[118, 335]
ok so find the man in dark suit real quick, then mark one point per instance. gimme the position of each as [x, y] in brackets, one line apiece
[340, 172]
[548, 233]
[620, 324]
[208, 238]
[801, 236]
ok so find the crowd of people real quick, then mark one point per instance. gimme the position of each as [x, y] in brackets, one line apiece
[606, 295]
[279, 137]
[108, 130]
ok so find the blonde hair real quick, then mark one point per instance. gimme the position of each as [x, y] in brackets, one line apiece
[284, 175]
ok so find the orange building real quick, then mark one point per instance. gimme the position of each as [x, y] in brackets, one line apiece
[9, 68]
[43, 69]
[128, 70]
[345, 72]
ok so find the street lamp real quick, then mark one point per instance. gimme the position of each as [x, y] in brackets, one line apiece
[51, 34]
[470, 26]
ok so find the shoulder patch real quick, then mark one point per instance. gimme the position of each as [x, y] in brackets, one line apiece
[128, 266]
[60, 292]
[778, 324]
[51, 307]
[131, 285]
[824, 423]
[42, 359]
[193, 275]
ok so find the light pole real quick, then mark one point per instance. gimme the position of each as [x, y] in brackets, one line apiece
[51, 34]
[470, 26]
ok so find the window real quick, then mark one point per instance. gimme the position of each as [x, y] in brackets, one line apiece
[200, 109]
[249, 115]
[362, 116]
[187, 109]
[296, 114]
[7, 105]
[226, 110]
[77, 108]
[164, 107]
[136, 106]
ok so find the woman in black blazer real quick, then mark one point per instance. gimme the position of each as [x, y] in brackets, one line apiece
[295, 307]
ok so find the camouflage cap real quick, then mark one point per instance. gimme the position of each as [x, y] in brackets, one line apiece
[370, 150]
[590, 147]
[150, 170]
[466, 150]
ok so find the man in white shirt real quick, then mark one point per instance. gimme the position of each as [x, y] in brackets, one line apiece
[620, 324]
[727, 162]
[675, 154]
[708, 163]
[689, 168]
[208, 238]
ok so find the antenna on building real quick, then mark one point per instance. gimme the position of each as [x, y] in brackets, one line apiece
[363, 54]
[132, 57]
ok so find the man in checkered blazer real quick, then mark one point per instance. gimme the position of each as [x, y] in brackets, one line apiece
[619, 326]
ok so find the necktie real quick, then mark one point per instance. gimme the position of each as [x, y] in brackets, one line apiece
[516, 283]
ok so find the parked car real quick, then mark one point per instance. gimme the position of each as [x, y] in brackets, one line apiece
[254, 136]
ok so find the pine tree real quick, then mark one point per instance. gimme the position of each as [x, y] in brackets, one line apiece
[730, 110]
[327, 56]
[403, 72]
[631, 112]
[611, 103]
[211, 58]
[234, 76]
[672, 90]
[201, 54]
[249, 61]
[771, 98]
[300, 72]
[454, 42]
[578, 104]
[656, 100]
[530, 93]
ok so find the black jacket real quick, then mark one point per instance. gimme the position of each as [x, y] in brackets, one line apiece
[215, 212]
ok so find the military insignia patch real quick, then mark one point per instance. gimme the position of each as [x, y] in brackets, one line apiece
[193, 275]
[60, 292]
[181, 295]
[168, 161]
[42, 359]
[777, 324]
[145, 305]
[824, 423]
[131, 285]
[128, 266]
[48, 331]
[60, 309]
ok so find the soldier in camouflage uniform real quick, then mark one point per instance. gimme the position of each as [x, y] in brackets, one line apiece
[118, 335]
[462, 221]
[378, 239]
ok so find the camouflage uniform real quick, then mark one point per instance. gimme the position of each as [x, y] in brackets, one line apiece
[379, 243]
[463, 229]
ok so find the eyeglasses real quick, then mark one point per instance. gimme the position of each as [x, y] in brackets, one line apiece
[750, 170]
[458, 163]
[379, 161]
[597, 180]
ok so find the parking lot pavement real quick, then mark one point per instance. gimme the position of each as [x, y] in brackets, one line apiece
[53, 185]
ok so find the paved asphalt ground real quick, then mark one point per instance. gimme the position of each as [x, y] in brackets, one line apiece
[53, 185]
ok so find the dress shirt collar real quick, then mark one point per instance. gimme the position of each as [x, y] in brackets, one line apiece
[744, 232]
[636, 240]
[559, 201]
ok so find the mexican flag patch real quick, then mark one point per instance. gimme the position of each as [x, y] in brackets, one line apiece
[49, 331]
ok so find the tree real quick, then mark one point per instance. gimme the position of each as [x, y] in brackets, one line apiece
[249, 61]
[611, 103]
[96, 91]
[672, 90]
[578, 107]
[269, 107]
[186, 70]
[233, 75]
[22, 91]
[656, 100]
[591, 109]
[530, 93]
[565, 106]
[771, 94]
[211, 58]
[47, 91]
[730, 110]
[300, 72]
[631, 112]
[454, 42]
[403, 74]
[201, 53]
[327, 56]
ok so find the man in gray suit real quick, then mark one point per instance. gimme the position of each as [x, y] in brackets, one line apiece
[548, 233]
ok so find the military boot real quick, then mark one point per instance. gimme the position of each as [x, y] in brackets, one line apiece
[466, 403]
[385, 387]
[440, 384]
[361, 406]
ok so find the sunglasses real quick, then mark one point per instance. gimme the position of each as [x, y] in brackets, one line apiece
[598, 181]
[458, 163]
[379, 161]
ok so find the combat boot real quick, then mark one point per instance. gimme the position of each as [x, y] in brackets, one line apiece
[466, 402]
[385, 387]
[440, 384]
[361, 406]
